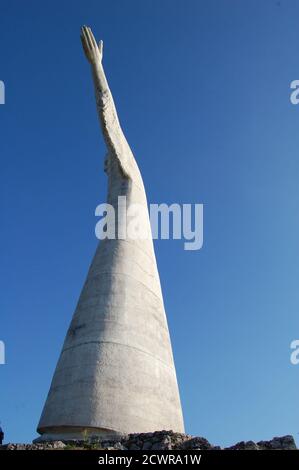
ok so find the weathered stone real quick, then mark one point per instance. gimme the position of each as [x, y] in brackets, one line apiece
[134, 447]
[279, 443]
[197, 443]
[161, 440]
[58, 445]
[249, 445]
[147, 445]
[118, 446]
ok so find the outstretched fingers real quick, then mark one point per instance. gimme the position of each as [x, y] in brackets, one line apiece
[86, 37]
[89, 37]
[93, 51]
[84, 44]
[92, 39]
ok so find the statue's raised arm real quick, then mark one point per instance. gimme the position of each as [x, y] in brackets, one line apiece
[114, 137]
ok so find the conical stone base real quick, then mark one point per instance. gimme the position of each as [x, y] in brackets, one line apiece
[116, 371]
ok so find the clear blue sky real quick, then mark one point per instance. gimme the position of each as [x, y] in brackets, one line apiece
[202, 89]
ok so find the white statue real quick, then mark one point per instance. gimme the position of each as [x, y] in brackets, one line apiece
[116, 372]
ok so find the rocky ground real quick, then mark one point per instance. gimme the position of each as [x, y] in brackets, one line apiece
[160, 440]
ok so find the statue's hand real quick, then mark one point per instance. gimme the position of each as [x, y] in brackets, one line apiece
[93, 52]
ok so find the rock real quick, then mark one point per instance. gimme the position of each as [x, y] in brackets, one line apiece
[165, 442]
[58, 445]
[278, 443]
[118, 446]
[197, 443]
[249, 445]
[134, 447]
[147, 445]
[10, 447]
[159, 440]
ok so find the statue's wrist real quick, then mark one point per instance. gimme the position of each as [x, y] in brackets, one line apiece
[97, 66]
